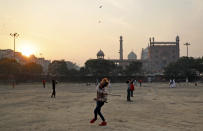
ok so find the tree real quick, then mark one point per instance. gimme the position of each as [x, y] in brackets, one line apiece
[184, 67]
[58, 68]
[9, 67]
[32, 68]
[99, 67]
[172, 70]
[134, 68]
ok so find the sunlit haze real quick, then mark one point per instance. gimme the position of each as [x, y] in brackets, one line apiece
[76, 30]
[26, 49]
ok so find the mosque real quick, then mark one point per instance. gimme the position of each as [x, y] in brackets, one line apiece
[154, 58]
[159, 54]
[120, 62]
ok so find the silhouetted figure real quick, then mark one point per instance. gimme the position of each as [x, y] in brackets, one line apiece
[44, 83]
[195, 83]
[54, 82]
[13, 82]
[140, 81]
[128, 90]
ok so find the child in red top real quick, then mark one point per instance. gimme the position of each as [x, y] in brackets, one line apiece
[140, 81]
[131, 88]
[44, 83]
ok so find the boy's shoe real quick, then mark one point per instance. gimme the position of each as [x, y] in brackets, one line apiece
[93, 120]
[103, 123]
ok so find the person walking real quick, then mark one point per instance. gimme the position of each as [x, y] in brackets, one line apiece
[44, 83]
[54, 82]
[100, 100]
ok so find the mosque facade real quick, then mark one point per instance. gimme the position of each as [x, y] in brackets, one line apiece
[159, 54]
[132, 57]
[154, 58]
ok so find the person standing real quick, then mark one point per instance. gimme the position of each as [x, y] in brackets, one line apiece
[128, 90]
[140, 81]
[170, 83]
[131, 88]
[100, 100]
[135, 82]
[44, 83]
[173, 83]
[54, 82]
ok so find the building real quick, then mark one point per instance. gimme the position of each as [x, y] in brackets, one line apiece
[100, 54]
[8, 53]
[44, 63]
[132, 56]
[145, 53]
[159, 54]
[121, 61]
[71, 65]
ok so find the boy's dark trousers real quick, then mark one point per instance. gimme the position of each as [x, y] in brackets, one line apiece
[97, 110]
[53, 94]
[128, 94]
[131, 93]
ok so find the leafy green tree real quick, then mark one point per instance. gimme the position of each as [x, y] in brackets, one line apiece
[9, 67]
[99, 67]
[184, 67]
[73, 72]
[134, 68]
[58, 68]
[119, 70]
[172, 70]
[32, 69]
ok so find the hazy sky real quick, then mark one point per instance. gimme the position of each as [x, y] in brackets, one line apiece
[69, 29]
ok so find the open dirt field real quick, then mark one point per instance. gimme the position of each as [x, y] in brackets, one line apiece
[155, 107]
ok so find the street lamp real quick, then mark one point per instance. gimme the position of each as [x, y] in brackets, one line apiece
[14, 35]
[187, 44]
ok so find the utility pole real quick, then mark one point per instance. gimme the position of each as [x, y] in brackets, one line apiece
[14, 35]
[187, 44]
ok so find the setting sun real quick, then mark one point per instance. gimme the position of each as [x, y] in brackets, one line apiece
[27, 50]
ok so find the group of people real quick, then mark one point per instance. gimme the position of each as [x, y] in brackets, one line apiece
[101, 96]
[131, 86]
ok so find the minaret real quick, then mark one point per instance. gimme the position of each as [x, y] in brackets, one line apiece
[121, 48]
[177, 45]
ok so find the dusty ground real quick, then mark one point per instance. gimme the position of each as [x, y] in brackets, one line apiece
[155, 107]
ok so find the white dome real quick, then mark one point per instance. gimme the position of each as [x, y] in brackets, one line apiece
[132, 56]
